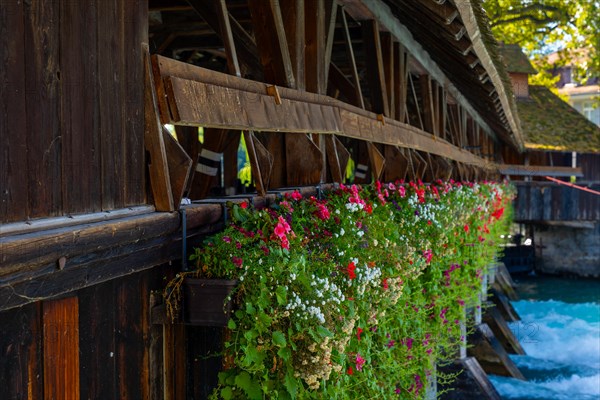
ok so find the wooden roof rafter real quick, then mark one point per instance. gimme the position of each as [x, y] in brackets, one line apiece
[377, 9]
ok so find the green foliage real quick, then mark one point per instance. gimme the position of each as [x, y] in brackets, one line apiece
[354, 296]
[543, 26]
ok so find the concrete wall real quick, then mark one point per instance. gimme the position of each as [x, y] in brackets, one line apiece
[568, 250]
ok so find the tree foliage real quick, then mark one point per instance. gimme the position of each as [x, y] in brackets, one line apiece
[541, 27]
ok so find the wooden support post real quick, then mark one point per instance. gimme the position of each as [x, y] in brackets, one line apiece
[261, 162]
[389, 67]
[428, 105]
[359, 102]
[375, 70]
[400, 81]
[180, 167]
[316, 38]
[490, 353]
[272, 42]
[442, 111]
[155, 146]
[244, 44]
[294, 22]
[337, 158]
[227, 36]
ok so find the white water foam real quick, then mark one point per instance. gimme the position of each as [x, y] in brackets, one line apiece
[562, 342]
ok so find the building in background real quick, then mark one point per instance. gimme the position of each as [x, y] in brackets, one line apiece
[583, 96]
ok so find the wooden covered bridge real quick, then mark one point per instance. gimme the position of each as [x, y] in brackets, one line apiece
[91, 180]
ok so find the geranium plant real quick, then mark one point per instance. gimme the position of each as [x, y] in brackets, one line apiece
[356, 295]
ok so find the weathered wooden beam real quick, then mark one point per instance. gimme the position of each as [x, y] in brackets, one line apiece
[337, 158]
[245, 45]
[316, 42]
[389, 67]
[271, 41]
[338, 80]
[427, 97]
[180, 167]
[294, 22]
[400, 81]
[350, 53]
[331, 8]
[538, 170]
[227, 36]
[382, 13]
[190, 101]
[375, 69]
[261, 162]
[154, 142]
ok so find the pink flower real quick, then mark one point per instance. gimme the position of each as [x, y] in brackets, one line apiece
[390, 344]
[226, 239]
[360, 362]
[428, 254]
[296, 195]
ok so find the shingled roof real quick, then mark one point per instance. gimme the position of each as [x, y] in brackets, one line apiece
[515, 60]
[549, 123]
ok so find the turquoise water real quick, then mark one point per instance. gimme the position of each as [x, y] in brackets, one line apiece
[560, 332]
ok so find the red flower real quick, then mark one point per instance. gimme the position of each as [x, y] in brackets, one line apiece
[350, 269]
[244, 204]
[385, 284]
[350, 371]
[466, 228]
[498, 213]
[296, 195]
[358, 332]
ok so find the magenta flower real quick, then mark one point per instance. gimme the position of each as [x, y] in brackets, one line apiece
[360, 362]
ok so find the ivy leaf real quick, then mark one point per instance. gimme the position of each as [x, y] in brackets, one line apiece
[281, 293]
[291, 384]
[279, 339]
[231, 324]
[227, 393]
[253, 356]
[245, 382]
[285, 353]
[324, 332]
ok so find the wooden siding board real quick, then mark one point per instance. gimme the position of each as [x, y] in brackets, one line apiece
[135, 14]
[42, 105]
[97, 342]
[13, 138]
[129, 342]
[79, 117]
[20, 353]
[111, 86]
[61, 349]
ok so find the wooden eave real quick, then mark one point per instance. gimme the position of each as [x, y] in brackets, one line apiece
[449, 57]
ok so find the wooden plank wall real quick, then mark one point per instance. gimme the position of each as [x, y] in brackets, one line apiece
[547, 201]
[97, 343]
[71, 106]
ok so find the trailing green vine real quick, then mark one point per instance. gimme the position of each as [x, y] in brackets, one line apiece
[355, 295]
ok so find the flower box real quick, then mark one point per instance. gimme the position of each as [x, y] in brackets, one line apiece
[205, 301]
